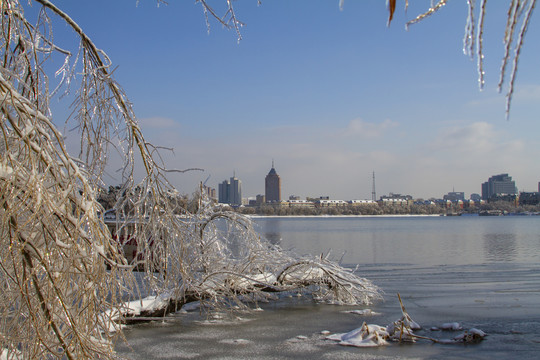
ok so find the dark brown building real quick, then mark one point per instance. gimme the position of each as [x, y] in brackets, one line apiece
[272, 186]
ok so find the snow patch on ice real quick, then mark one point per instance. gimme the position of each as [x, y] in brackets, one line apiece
[453, 326]
[235, 341]
[364, 312]
[364, 336]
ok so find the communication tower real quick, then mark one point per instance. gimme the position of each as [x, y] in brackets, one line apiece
[373, 194]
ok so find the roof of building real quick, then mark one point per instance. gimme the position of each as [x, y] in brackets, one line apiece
[272, 170]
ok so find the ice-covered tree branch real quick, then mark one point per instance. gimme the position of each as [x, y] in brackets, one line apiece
[64, 270]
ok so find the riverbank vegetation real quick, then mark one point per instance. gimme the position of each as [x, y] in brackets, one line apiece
[182, 202]
[500, 207]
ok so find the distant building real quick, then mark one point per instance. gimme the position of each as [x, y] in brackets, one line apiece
[512, 198]
[223, 192]
[272, 186]
[235, 192]
[362, 202]
[497, 186]
[455, 196]
[425, 202]
[260, 199]
[529, 198]
[395, 199]
[210, 192]
[230, 191]
[330, 203]
[301, 203]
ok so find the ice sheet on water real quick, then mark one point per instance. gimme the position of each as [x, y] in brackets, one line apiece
[433, 302]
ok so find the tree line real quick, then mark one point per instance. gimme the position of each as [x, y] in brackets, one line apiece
[376, 209]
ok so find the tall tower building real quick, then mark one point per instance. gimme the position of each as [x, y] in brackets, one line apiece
[223, 192]
[272, 186]
[235, 191]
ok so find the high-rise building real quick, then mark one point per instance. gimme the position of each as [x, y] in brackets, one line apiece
[230, 191]
[235, 191]
[272, 186]
[223, 192]
[498, 185]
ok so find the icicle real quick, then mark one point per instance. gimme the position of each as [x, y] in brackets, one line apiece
[519, 45]
[508, 36]
[480, 44]
[468, 39]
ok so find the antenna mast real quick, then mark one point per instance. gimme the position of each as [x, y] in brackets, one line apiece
[373, 194]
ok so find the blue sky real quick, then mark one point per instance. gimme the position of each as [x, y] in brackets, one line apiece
[329, 95]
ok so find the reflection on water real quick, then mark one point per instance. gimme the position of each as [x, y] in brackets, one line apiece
[500, 247]
[410, 240]
[273, 237]
[271, 230]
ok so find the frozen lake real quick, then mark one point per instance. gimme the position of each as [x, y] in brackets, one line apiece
[483, 272]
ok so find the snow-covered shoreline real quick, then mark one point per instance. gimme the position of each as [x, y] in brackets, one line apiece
[340, 216]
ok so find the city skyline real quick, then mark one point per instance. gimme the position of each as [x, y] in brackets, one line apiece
[495, 184]
[332, 96]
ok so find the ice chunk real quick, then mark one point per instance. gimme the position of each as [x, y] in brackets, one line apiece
[471, 336]
[453, 326]
[364, 312]
[364, 336]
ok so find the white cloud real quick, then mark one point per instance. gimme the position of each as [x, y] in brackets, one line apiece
[479, 143]
[475, 137]
[364, 129]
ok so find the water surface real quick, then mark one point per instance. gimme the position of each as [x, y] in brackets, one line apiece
[482, 272]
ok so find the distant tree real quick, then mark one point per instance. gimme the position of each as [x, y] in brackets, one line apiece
[499, 205]
[248, 210]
